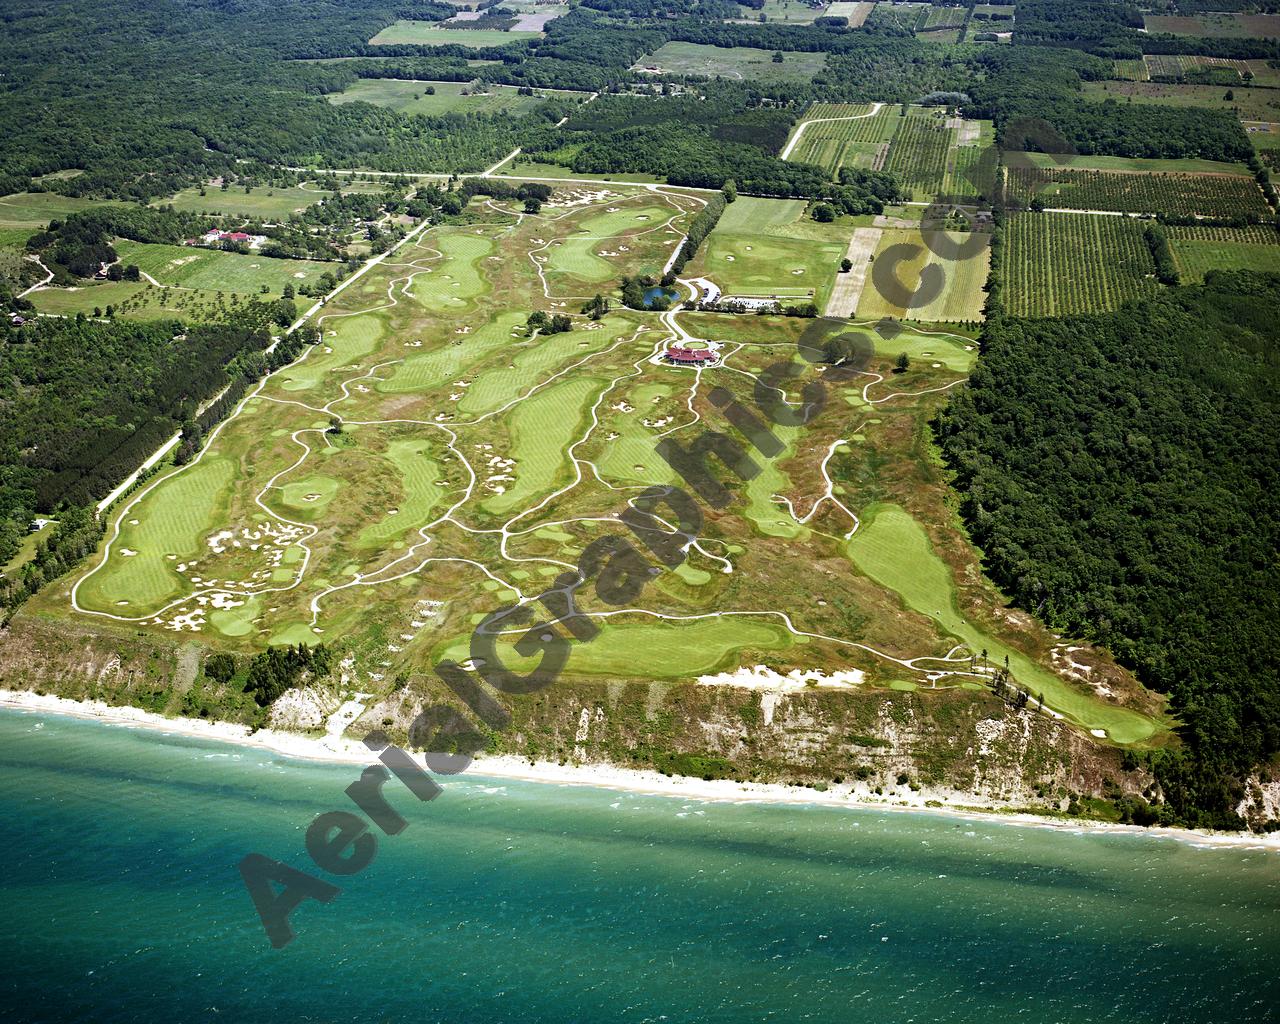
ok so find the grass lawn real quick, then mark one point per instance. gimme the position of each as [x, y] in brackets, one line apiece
[428, 33]
[173, 518]
[261, 202]
[738, 62]
[214, 270]
[26, 550]
[894, 550]
[410, 97]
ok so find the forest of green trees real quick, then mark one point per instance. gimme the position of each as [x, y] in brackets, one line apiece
[1120, 472]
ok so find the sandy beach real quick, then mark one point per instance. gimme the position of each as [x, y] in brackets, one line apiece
[347, 751]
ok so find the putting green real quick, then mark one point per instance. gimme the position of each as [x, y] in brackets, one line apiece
[893, 549]
[172, 519]
[311, 494]
[419, 474]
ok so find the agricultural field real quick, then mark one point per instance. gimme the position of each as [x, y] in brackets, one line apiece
[134, 300]
[908, 16]
[918, 152]
[961, 298]
[1059, 263]
[1200, 195]
[411, 97]
[845, 135]
[767, 248]
[28, 212]
[429, 33]
[1197, 250]
[857, 13]
[738, 63]
[1216, 25]
[1248, 103]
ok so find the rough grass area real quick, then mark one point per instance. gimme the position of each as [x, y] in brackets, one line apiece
[962, 296]
[260, 202]
[411, 97]
[214, 270]
[1197, 250]
[429, 33]
[738, 62]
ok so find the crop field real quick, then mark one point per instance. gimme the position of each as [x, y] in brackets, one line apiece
[429, 33]
[1060, 263]
[918, 153]
[213, 270]
[786, 12]
[1217, 25]
[1248, 103]
[411, 97]
[738, 63]
[762, 247]
[1197, 250]
[943, 17]
[474, 462]
[1203, 195]
[845, 135]
[962, 296]
[908, 16]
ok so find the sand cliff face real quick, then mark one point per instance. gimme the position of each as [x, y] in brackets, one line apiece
[954, 746]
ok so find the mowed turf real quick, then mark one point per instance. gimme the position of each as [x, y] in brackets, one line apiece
[542, 428]
[961, 297]
[428, 33]
[411, 97]
[344, 341]
[213, 270]
[451, 283]
[173, 518]
[894, 550]
[536, 360]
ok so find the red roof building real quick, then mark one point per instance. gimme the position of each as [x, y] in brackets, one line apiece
[690, 356]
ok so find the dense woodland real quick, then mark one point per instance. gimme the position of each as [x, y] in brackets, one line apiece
[83, 403]
[1120, 472]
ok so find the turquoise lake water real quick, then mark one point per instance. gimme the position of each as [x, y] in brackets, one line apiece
[507, 901]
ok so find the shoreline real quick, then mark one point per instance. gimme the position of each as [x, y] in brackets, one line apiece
[338, 750]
